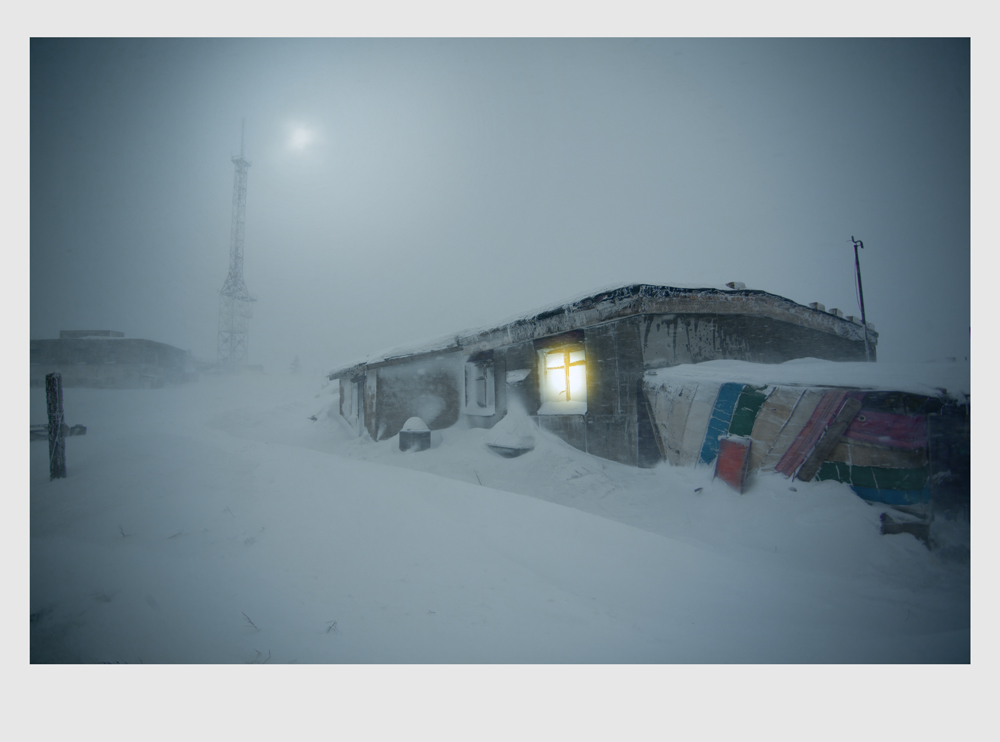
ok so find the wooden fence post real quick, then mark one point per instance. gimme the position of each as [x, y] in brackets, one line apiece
[57, 443]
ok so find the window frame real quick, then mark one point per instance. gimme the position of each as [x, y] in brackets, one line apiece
[482, 368]
[568, 406]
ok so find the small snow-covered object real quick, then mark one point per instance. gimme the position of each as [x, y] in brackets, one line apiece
[414, 435]
[918, 527]
[414, 425]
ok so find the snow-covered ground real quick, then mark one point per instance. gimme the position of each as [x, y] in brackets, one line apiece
[217, 523]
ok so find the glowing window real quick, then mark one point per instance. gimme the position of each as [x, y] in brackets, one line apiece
[479, 388]
[564, 381]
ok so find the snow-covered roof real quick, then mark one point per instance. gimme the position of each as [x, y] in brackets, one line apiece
[928, 379]
[615, 302]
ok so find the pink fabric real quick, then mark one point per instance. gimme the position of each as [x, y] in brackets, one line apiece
[887, 429]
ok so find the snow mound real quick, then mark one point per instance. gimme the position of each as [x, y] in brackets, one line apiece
[516, 431]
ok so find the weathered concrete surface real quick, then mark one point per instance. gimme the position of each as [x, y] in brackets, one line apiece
[673, 339]
[428, 388]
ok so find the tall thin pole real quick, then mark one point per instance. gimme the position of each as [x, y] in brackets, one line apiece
[861, 294]
[57, 443]
[236, 302]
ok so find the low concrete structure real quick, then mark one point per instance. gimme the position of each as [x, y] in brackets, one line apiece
[107, 359]
[577, 369]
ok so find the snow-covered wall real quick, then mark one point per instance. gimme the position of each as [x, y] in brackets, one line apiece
[673, 339]
[498, 360]
[428, 388]
[624, 332]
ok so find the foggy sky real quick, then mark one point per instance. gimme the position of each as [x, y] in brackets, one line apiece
[405, 189]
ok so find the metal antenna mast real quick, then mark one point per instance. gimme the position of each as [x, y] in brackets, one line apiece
[861, 294]
[236, 303]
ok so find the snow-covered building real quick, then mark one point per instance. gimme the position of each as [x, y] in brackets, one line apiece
[106, 358]
[577, 368]
[641, 374]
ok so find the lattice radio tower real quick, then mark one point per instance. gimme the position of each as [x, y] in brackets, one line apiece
[236, 303]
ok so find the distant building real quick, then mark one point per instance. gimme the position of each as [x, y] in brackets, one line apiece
[107, 359]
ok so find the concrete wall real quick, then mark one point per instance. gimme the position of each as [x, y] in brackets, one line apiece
[617, 424]
[369, 408]
[618, 349]
[352, 401]
[672, 339]
[522, 357]
[428, 388]
[611, 419]
[499, 394]
[614, 364]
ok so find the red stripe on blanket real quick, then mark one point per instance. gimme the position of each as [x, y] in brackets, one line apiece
[811, 432]
[888, 429]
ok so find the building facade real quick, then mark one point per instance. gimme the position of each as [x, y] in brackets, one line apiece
[577, 369]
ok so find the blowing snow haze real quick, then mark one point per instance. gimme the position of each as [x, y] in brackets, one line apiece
[405, 189]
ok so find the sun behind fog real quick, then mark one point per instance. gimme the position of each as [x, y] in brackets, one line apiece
[300, 138]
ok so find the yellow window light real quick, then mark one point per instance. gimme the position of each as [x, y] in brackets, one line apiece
[565, 376]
